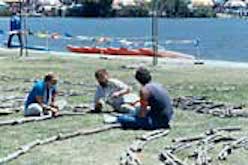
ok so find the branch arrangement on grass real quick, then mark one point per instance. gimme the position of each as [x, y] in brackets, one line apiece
[27, 147]
[130, 157]
[40, 118]
[203, 143]
[204, 106]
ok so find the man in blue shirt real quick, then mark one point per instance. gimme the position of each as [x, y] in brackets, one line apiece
[41, 98]
[15, 29]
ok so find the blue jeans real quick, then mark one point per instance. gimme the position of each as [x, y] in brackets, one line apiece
[149, 122]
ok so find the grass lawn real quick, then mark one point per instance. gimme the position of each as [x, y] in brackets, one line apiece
[229, 85]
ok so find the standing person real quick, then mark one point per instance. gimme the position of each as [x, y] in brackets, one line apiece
[156, 109]
[15, 29]
[42, 97]
[113, 92]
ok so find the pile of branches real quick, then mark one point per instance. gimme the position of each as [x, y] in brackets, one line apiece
[202, 144]
[130, 156]
[204, 106]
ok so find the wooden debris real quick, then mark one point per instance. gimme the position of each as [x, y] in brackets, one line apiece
[130, 156]
[202, 105]
[27, 147]
[5, 112]
[189, 139]
[36, 119]
[227, 150]
[178, 147]
[202, 157]
[169, 159]
[203, 143]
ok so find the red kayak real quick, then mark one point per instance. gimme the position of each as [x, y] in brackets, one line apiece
[128, 52]
[83, 49]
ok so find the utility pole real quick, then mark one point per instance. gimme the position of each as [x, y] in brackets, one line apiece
[21, 45]
[155, 31]
[25, 27]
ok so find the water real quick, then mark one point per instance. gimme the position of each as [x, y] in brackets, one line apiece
[220, 39]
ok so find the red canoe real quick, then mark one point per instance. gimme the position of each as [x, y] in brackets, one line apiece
[129, 52]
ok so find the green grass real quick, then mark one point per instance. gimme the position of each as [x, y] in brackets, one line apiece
[106, 148]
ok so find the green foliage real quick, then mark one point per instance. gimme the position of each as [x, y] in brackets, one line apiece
[134, 11]
[5, 12]
[97, 8]
[171, 8]
[203, 12]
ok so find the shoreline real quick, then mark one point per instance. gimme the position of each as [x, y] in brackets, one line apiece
[4, 52]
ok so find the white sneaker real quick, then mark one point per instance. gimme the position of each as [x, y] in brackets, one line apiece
[109, 119]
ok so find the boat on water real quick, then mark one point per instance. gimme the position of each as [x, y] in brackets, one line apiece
[128, 52]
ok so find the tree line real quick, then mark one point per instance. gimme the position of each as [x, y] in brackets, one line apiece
[165, 8]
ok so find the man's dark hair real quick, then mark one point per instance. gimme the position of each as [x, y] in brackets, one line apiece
[143, 76]
[100, 72]
[49, 76]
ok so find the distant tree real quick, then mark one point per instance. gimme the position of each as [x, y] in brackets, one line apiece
[203, 12]
[132, 11]
[172, 8]
[97, 8]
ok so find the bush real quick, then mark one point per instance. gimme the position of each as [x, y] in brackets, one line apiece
[204, 12]
[5, 12]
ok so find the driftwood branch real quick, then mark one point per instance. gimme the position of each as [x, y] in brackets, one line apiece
[169, 159]
[27, 147]
[202, 105]
[207, 134]
[130, 157]
[202, 157]
[228, 149]
[36, 119]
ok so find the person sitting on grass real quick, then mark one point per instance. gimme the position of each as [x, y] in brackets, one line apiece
[42, 97]
[155, 111]
[112, 92]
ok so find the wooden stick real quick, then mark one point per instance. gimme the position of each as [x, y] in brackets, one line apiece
[130, 157]
[169, 159]
[36, 119]
[202, 157]
[138, 145]
[179, 147]
[189, 139]
[27, 147]
[6, 112]
[227, 150]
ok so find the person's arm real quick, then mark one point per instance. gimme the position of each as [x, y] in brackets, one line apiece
[53, 100]
[39, 100]
[124, 89]
[144, 96]
[97, 99]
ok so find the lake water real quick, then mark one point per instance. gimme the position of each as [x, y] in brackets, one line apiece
[220, 39]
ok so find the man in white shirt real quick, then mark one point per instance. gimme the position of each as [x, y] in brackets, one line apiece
[113, 92]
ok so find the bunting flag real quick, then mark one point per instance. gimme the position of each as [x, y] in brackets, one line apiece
[41, 35]
[100, 40]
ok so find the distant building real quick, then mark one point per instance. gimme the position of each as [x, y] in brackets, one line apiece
[235, 4]
[202, 3]
[118, 4]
